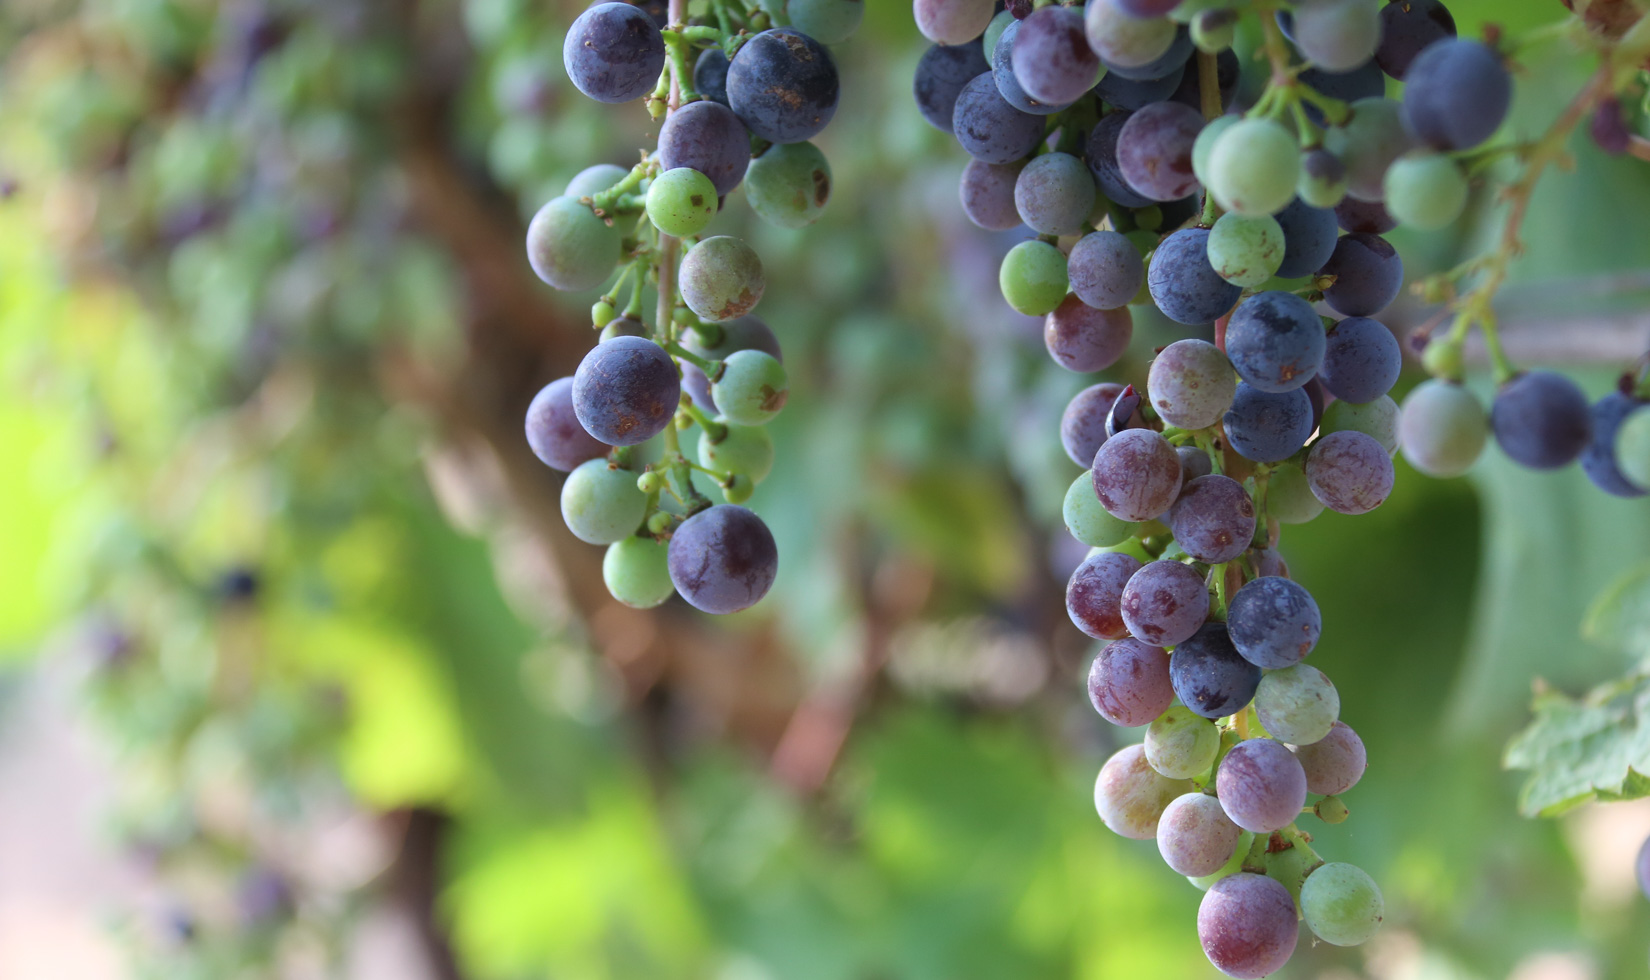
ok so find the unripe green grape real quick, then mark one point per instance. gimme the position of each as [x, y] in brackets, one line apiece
[1442, 428]
[593, 180]
[1633, 448]
[738, 489]
[826, 21]
[789, 184]
[1149, 218]
[1289, 497]
[1443, 359]
[1331, 810]
[1377, 419]
[1245, 250]
[1033, 278]
[660, 522]
[751, 387]
[1253, 167]
[1204, 145]
[1289, 868]
[1297, 704]
[636, 573]
[1322, 183]
[602, 504]
[1233, 865]
[602, 313]
[1214, 31]
[569, 247]
[1342, 904]
[721, 278]
[1180, 744]
[1131, 547]
[681, 202]
[1425, 190]
[994, 33]
[1088, 521]
[745, 449]
[650, 482]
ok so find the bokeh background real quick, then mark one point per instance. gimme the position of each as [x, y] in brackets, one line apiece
[301, 676]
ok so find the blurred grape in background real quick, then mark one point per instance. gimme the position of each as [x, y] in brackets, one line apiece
[303, 675]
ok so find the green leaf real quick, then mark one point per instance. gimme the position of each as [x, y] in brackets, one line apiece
[1620, 617]
[1578, 750]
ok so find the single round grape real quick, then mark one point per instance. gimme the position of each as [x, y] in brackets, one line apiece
[1154, 150]
[751, 387]
[1195, 836]
[1203, 146]
[1233, 865]
[1266, 427]
[1191, 384]
[1100, 152]
[1130, 796]
[1184, 285]
[1424, 190]
[1081, 338]
[941, 74]
[594, 179]
[1350, 472]
[1322, 182]
[1054, 193]
[1632, 449]
[613, 53]
[952, 21]
[707, 137]
[1369, 217]
[1209, 675]
[1164, 603]
[1409, 28]
[1377, 419]
[1194, 462]
[1131, 94]
[1033, 278]
[1008, 82]
[1442, 428]
[1122, 39]
[1129, 683]
[1087, 521]
[1288, 496]
[1297, 704]
[1253, 167]
[783, 85]
[1456, 93]
[1274, 622]
[1083, 423]
[1094, 592]
[1308, 238]
[789, 184]
[569, 247]
[1177, 55]
[601, 504]
[826, 21]
[681, 202]
[744, 449]
[1338, 35]
[1245, 250]
[1275, 341]
[1261, 785]
[1334, 763]
[1369, 140]
[1180, 745]
[1361, 360]
[1541, 420]
[626, 391]
[553, 429]
[1368, 274]
[710, 75]
[1136, 475]
[988, 128]
[1214, 31]
[1054, 62]
[1342, 905]
[636, 573]
[723, 559]
[987, 192]
[1105, 270]
[1213, 519]
[721, 278]
[1247, 925]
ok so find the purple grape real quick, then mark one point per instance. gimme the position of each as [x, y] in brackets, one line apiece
[1185, 287]
[1599, 460]
[1191, 384]
[710, 76]
[1214, 519]
[1154, 150]
[707, 137]
[1164, 603]
[1195, 836]
[614, 53]
[1247, 925]
[1361, 361]
[1210, 677]
[1081, 338]
[783, 85]
[626, 391]
[1334, 763]
[987, 192]
[1100, 152]
[1194, 462]
[1095, 591]
[1349, 472]
[1308, 238]
[1275, 341]
[1106, 270]
[1273, 622]
[991, 130]
[1008, 83]
[1056, 64]
[1541, 420]
[1337, 35]
[1054, 194]
[1456, 93]
[1409, 27]
[1178, 53]
[941, 75]
[554, 432]
[1261, 785]
[1266, 427]
[1136, 475]
[723, 559]
[1131, 94]
[952, 21]
[1129, 683]
[1368, 273]
[1083, 424]
[1130, 795]
[1365, 217]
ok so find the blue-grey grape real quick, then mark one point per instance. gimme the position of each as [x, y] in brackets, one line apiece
[1184, 285]
[1275, 341]
[1274, 622]
[1361, 360]
[723, 559]
[626, 391]
[553, 429]
[1541, 420]
[1105, 269]
[1213, 519]
[1210, 677]
[709, 138]
[614, 52]
[1267, 427]
[1164, 602]
[783, 85]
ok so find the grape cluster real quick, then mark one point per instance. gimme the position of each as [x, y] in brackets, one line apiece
[738, 108]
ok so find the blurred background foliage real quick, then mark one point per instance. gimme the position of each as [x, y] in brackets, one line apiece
[266, 339]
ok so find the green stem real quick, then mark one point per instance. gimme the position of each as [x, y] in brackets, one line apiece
[677, 350]
[604, 202]
[716, 430]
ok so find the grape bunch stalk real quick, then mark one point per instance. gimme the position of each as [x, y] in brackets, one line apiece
[739, 100]
[1109, 131]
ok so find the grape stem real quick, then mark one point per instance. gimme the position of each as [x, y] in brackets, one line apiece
[1208, 90]
[682, 353]
[716, 430]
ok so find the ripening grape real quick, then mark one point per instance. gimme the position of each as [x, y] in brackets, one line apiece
[1083, 423]
[1409, 28]
[1246, 250]
[1105, 269]
[745, 449]
[594, 179]
[1288, 497]
[1377, 419]
[789, 184]
[987, 192]
[1456, 93]
[1191, 384]
[1309, 236]
[952, 21]
[1233, 865]
[1267, 427]
[1297, 705]
[1195, 836]
[1008, 83]
[751, 387]
[1094, 594]
[1253, 167]
[553, 429]
[1184, 285]
[1541, 420]
[1054, 61]
[1180, 744]
[1275, 341]
[1054, 193]
[1136, 475]
[569, 247]
[710, 75]
[1129, 683]
[1203, 147]
[1368, 273]
[1247, 925]
[1164, 603]
[988, 128]
[707, 137]
[1213, 519]
[994, 32]
[1369, 217]
[1338, 35]
[1154, 150]
[1261, 785]
[783, 85]
[940, 77]
[826, 21]
[1442, 428]
[681, 202]
[1087, 521]
[1361, 360]
[1083, 339]
[1273, 622]
[1033, 278]
[1123, 40]
[1425, 190]
[1369, 140]
[1342, 905]
[601, 503]
[626, 391]
[1350, 472]
[1210, 677]
[1322, 182]
[1131, 94]
[613, 52]
[636, 572]
[1100, 152]
[1632, 449]
[723, 559]
[1130, 795]
[721, 278]
[1334, 763]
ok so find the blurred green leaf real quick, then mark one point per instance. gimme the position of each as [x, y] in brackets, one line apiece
[1578, 750]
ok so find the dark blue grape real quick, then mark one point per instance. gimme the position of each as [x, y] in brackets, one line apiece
[991, 130]
[1131, 94]
[723, 559]
[1368, 274]
[1599, 460]
[1056, 63]
[1361, 361]
[614, 53]
[1408, 28]
[626, 391]
[1100, 152]
[1541, 419]
[1183, 283]
[1180, 52]
[1267, 427]
[1308, 238]
[553, 429]
[1275, 341]
[1366, 217]
[1008, 83]
[784, 86]
[941, 75]
[1273, 622]
[1456, 93]
[710, 75]
[707, 137]
[1209, 675]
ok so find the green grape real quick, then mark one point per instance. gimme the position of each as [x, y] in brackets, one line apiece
[1633, 448]
[602, 313]
[1290, 868]
[1131, 547]
[1367, 144]
[789, 184]
[1088, 521]
[1215, 33]
[569, 247]
[1442, 428]
[1253, 167]
[743, 449]
[1377, 419]
[1322, 182]
[602, 504]
[1425, 190]
[1246, 840]
[1331, 810]
[994, 32]
[1204, 145]
[1033, 278]
[1297, 704]
[1289, 497]
[1342, 904]
[1245, 250]
[681, 202]
[1180, 744]
[751, 387]
[826, 21]
[636, 572]
[721, 279]
[593, 180]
